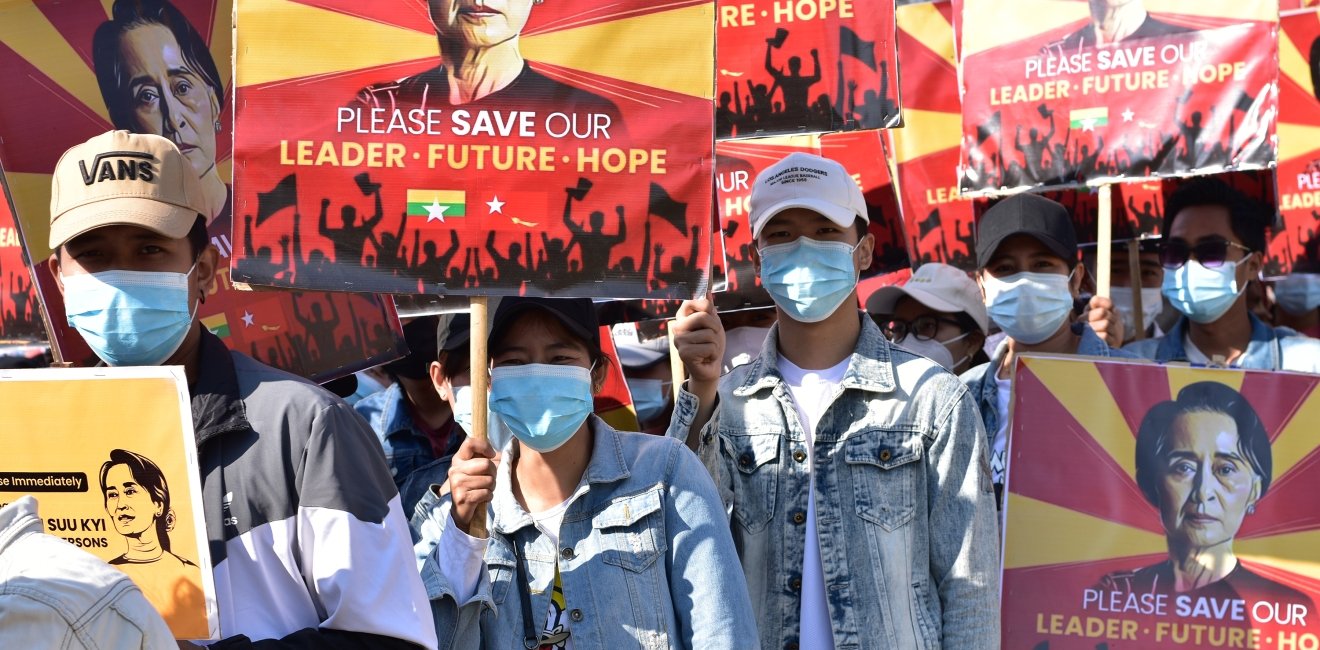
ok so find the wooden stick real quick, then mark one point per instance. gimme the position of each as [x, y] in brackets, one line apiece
[1134, 280]
[1103, 254]
[479, 364]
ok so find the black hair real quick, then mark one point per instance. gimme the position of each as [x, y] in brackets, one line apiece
[1200, 397]
[1246, 219]
[454, 362]
[198, 238]
[148, 475]
[129, 14]
[862, 226]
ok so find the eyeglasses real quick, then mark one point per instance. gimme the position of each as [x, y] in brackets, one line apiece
[1211, 254]
[922, 328]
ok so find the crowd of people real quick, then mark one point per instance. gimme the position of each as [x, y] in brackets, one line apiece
[830, 474]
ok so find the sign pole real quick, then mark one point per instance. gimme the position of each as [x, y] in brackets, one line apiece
[1105, 238]
[479, 362]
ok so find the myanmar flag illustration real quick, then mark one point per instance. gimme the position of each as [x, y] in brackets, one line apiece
[218, 324]
[437, 204]
[1082, 118]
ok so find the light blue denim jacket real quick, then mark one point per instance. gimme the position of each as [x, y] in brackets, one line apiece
[906, 512]
[1271, 348]
[644, 558]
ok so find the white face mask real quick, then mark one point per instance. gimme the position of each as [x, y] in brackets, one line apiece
[1030, 307]
[742, 344]
[937, 351]
[1152, 303]
[1298, 293]
[496, 432]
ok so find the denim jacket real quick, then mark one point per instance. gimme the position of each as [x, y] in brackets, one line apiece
[407, 450]
[644, 558]
[906, 512]
[981, 380]
[53, 595]
[1271, 348]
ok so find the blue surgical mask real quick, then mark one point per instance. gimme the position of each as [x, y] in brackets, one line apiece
[543, 405]
[1203, 294]
[130, 318]
[650, 397]
[1029, 307]
[496, 432]
[1298, 293]
[809, 278]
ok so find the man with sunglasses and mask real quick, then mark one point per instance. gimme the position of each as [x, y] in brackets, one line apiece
[309, 545]
[1214, 243]
[1026, 251]
[853, 470]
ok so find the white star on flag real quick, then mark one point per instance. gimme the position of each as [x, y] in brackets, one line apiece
[435, 211]
[1128, 115]
[1088, 125]
[247, 318]
[495, 205]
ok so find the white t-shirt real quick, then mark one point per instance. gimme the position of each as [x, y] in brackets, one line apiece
[811, 391]
[999, 451]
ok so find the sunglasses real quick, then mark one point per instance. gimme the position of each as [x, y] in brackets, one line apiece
[922, 328]
[1211, 254]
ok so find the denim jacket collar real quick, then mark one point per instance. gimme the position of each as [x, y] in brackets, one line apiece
[1262, 342]
[606, 466]
[870, 367]
[394, 417]
[17, 519]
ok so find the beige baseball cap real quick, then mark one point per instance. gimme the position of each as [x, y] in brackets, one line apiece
[803, 180]
[938, 286]
[122, 178]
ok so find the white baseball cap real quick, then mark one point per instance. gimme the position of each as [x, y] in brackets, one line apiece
[803, 180]
[639, 354]
[122, 178]
[938, 286]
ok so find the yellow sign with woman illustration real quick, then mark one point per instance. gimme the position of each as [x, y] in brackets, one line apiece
[1158, 506]
[110, 456]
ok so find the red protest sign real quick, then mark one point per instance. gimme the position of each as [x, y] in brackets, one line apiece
[1296, 243]
[789, 66]
[570, 147]
[64, 91]
[20, 318]
[1060, 97]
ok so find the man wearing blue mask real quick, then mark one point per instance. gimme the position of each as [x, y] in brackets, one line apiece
[854, 470]
[1026, 251]
[1214, 243]
[309, 546]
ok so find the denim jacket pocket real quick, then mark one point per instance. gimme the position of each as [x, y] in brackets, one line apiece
[884, 471]
[500, 563]
[631, 531]
[754, 481]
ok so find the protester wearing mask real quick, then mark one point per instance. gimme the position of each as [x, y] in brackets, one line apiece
[414, 424]
[294, 485]
[597, 538]
[1213, 248]
[937, 313]
[1123, 289]
[1026, 251]
[1297, 302]
[744, 335]
[650, 380]
[832, 423]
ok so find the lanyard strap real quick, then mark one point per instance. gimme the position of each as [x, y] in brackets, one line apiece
[530, 638]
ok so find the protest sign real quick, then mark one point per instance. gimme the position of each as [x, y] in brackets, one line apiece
[793, 66]
[111, 458]
[1296, 242]
[1063, 94]
[583, 146]
[938, 220]
[1154, 506]
[20, 313]
[64, 68]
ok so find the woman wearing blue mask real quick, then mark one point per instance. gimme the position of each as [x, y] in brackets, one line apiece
[597, 538]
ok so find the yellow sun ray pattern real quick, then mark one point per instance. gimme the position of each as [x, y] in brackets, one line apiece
[1179, 378]
[1042, 534]
[1283, 551]
[276, 35]
[31, 194]
[1297, 139]
[24, 29]
[1293, 64]
[222, 37]
[1080, 389]
[1032, 17]
[926, 24]
[931, 131]
[1297, 439]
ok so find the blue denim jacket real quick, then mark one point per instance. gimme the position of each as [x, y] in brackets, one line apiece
[644, 558]
[908, 539]
[407, 450]
[981, 380]
[1271, 348]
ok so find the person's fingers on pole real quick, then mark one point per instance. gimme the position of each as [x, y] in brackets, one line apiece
[1104, 319]
[472, 479]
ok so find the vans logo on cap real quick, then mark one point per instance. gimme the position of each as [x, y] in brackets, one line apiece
[119, 166]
